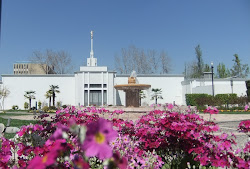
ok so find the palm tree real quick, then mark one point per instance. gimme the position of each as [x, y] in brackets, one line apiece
[48, 95]
[156, 94]
[54, 90]
[30, 95]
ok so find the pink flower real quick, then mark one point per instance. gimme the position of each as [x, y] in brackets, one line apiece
[42, 162]
[246, 107]
[79, 163]
[22, 131]
[6, 146]
[224, 136]
[98, 136]
[4, 158]
[170, 106]
[211, 110]
[203, 160]
[121, 162]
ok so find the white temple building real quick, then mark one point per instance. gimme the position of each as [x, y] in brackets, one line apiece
[94, 85]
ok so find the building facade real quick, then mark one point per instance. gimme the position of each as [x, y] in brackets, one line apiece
[31, 68]
[93, 85]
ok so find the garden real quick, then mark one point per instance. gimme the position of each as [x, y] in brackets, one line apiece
[83, 138]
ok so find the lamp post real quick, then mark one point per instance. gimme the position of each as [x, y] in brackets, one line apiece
[212, 68]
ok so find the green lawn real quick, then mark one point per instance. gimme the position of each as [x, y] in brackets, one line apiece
[15, 123]
[13, 114]
[26, 111]
[234, 112]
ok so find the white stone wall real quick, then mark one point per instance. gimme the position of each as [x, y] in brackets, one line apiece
[18, 84]
[221, 86]
[170, 85]
[1, 86]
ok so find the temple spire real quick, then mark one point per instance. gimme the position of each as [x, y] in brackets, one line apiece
[92, 51]
[91, 61]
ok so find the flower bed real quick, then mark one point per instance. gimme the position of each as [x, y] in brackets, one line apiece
[77, 138]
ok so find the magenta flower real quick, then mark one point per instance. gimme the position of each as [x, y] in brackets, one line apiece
[98, 136]
[246, 107]
[79, 163]
[211, 110]
[170, 106]
[4, 158]
[42, 162]
[121, 162]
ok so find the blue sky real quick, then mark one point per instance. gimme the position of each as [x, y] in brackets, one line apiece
[222, 28]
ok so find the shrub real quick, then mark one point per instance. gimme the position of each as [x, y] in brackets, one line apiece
[39, 105]
[232, 98]
[15, 107]
[52, 108]
[248, 89]
[58, 104]
[159, 139]
[64, 106]
[45, 108]
[242, 101]
[26, 105]
[191, 99]
[201, 100]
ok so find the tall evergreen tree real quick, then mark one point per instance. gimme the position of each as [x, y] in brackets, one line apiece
[200, 64]
[222, 71]
[238, 69]
[207, 68]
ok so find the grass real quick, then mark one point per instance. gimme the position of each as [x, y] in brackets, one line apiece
[10, 110]
[13, 114]
[224, 112]
[15, 123]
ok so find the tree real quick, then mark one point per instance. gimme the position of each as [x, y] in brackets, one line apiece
[238, 69]
[54, 90]
[222, 72]
[58, 61]
[207, 68]
[165, 63]
[196, 68]
[30, 95]
[142, 62]
[200, 64]
[4, 92]
[48, 95]
[156, 94]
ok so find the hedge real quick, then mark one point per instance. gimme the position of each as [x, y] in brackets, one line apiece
[206, 99]
[248, 89]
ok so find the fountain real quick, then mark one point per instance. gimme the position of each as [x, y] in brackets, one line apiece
[132, 90]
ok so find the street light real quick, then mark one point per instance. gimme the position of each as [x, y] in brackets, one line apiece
[212, 67]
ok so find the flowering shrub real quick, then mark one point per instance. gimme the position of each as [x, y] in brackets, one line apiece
[79, 138]
[244, 127]
[5, 152]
